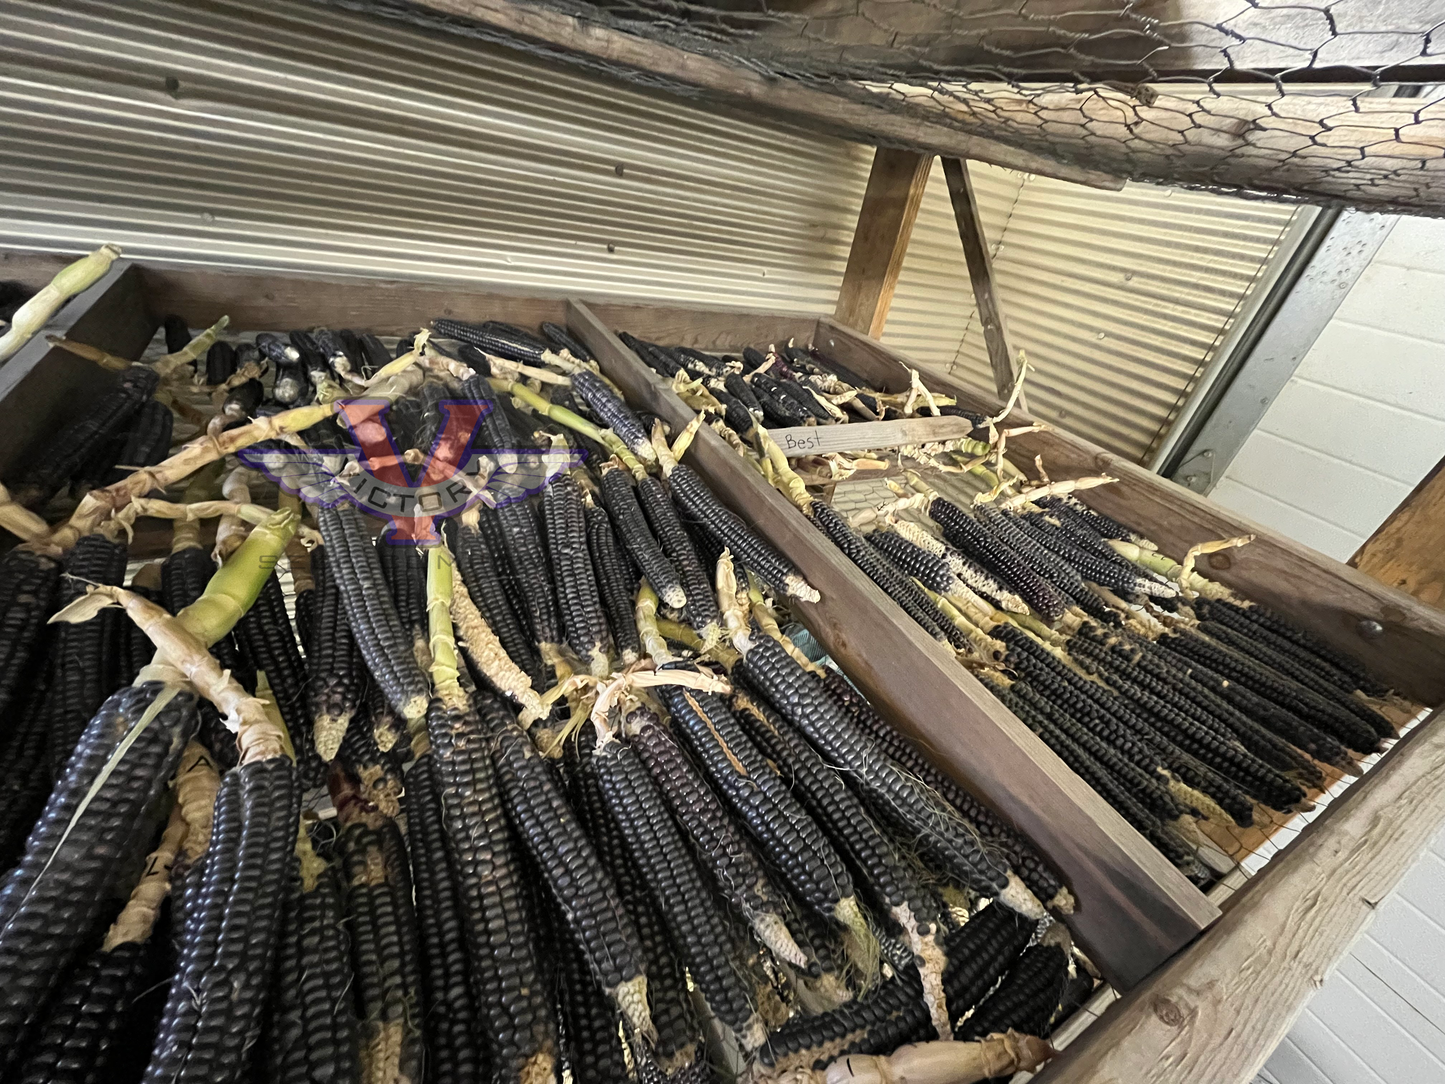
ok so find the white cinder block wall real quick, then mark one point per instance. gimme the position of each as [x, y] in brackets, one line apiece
[1362, 421]
[1357, 427]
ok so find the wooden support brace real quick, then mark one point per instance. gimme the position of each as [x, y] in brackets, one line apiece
[980, 273]
[880, 240]
[1408, 549]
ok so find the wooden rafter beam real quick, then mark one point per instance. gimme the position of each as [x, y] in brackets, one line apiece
[742, 85]
[880, 240]
[980, 274]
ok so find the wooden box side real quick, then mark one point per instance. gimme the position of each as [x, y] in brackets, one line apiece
[44, 388]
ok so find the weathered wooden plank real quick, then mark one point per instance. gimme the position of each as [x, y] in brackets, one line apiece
[1135, 909]
[1408, 551]
[279, 301]
[1399, 638]
[980, 273]
[880, 240]
[802, 440]
[716, 330]
[1215, 1014]
[740, 84]
[43, 387]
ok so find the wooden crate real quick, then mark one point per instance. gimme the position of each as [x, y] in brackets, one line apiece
[1195, 977]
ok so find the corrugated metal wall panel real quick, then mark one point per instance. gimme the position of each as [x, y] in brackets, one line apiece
[1118, 298]
[268, 133]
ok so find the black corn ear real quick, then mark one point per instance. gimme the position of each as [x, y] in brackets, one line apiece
[548, 827]
[677, 887]
[45, 920]
[27, 586]
[616, 582]
[515, 1008]
[228, 947]
[621, 499]
[581, 603]
[370, 612]
[615, 414]
[454, 1051]
[385, 943]
[73, 446]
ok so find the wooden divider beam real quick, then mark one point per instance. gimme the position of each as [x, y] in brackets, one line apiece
[1399, 638]
[1135, 910]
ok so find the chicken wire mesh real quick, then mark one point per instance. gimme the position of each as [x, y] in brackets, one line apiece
[1330, 102]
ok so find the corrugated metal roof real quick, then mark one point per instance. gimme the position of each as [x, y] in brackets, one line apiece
[1118, 298]
[267, 133]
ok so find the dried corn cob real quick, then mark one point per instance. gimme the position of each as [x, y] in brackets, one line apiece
[581, 604]
[213, 1014]
[378, 770]
[1273, 686]
[676, 884]
[1026, 998]
[735, 867]
[73, 446]
[44, 919]
[702, 612]
[370, 612]
[694, 498]
[80, 1039]
[679, 1035]
[843, 816]
[892, 794]
[549, 830]
[791, 840]
[27, 587]
[87, 658]
[978, 953]
[877, 568]
[386, 947]
[454, 1052]
[312, 1031]
[269, 642]
[147, 443]
[1017, 851]
[562, 339]
[1269, 627]
[997, 558]
[220, 363]
[616, 582]
[335, 677]
[591, 1038]
[615, 414]
[627, 517]
[514, 1007]
[930, 569]
[483, 569]
[404, 568]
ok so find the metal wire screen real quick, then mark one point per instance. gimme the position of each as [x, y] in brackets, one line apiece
[1334, 102]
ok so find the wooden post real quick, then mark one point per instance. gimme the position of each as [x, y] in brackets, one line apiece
[1408, 549]
[980, 273]
[1135, 910]
[880, 240]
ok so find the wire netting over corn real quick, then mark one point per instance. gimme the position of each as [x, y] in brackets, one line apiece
[1324, 101]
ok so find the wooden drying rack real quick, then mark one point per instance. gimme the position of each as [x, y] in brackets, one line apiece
[1209, 994]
